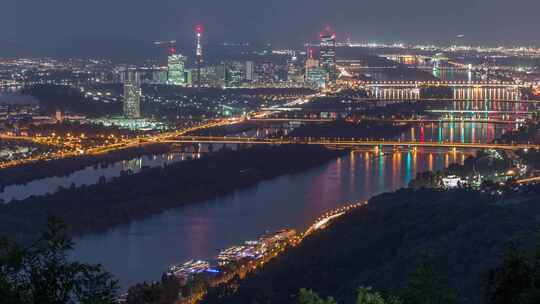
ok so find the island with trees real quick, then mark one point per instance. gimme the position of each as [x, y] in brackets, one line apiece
[94, 208]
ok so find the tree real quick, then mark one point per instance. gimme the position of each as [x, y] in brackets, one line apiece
[41, 273]
[515, 280]
[164, 292]
[366, 296]
[145, 294]
[425, 286]
[307, 296]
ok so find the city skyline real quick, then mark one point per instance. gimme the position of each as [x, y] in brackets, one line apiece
[34, 28]
[217, 152]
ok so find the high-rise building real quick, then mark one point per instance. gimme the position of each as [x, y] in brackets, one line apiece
[317, 76]
[311, 63]
[58, 116]
[250, 71]
[234, 73]
[328, 54]
[234, 77]
[267, 72]
[189, 77]
[293, 72]
[214, 76]
[159, 76]
[120, 74]
[199, 53]
[176, 66]
[132, 96]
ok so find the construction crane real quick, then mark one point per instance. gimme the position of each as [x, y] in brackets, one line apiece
[169, 44]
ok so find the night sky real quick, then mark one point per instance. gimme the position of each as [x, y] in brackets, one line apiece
[39, 27]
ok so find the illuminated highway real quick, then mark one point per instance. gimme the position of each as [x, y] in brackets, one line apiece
[67, 150]
[37, 140]
[265, 112]
[324, 220]
[528, 180]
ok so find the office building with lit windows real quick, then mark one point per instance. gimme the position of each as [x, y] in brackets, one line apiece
[317, 77]
[327, 58]
[293, 71]
[176, 72]
[132, 98]
[250, 71]
[311, 63]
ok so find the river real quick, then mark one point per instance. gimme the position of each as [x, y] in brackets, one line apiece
[93, 174]
[143, 250]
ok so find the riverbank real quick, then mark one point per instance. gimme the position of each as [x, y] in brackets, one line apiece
[96, 208]
[193, 279]
[463, 232]
[63, 167]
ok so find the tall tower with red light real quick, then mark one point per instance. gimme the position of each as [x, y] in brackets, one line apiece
[199, 52]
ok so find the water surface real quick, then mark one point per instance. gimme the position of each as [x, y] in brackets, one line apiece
[144, 249]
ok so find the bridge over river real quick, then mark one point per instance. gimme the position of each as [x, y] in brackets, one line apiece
[344, 143]
[460, 84]
[462, 90]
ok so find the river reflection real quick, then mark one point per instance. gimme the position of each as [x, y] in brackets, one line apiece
[143, 250]
[89, 176]
[462, 132]
[458, 93]
[450, 74]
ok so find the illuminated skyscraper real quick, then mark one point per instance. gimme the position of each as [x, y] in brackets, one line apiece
[132, 96]
[293, 72]
[199, 53]
[328, 54]
[250, 71]
[317, 77]
[311, 63]
[176, 65]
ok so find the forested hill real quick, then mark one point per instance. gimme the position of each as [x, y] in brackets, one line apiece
[463, 232]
